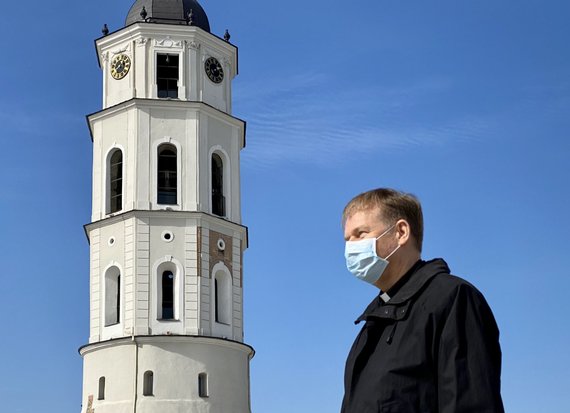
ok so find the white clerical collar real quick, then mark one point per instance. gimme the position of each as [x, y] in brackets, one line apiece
[385, 297]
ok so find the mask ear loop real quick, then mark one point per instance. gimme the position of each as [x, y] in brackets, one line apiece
[392, 253]
[385, 232]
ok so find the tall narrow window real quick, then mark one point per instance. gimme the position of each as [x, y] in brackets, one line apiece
[167, 75]
[116, 181]
[217, 298]
[167, 179]
[203, 385]
[148, 379]
[222, 297]
[112, 296]
[101, 395]
[167, 295]
[118, 300]
[218, 199]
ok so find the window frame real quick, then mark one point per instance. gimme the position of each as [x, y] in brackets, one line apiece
[154, 174]
[203, 388]
[171, 93]
[108, 203]
[108, 305]
[172, 301]
[163, 147]
[101, 388]
[218, 199]
[167, 326]
[226, 181]
[148, 383]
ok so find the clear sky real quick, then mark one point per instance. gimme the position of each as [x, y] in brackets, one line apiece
[463, 103]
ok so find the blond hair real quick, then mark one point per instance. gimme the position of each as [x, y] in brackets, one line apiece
[393, 205]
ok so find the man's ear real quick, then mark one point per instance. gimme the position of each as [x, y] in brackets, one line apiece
[403, 232]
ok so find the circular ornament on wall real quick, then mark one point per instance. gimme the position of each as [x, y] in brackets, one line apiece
[120, 66]
[167, 236]
[221, 244]
[214, 70]
[111, 241]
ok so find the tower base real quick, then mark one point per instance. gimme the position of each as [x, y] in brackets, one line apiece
[166, 374]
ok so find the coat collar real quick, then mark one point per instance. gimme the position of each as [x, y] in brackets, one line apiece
[406, 288]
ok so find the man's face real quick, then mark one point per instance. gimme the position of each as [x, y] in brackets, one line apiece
[363, 224]
[368, 224]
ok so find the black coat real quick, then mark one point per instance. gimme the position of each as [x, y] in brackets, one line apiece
[433, 347]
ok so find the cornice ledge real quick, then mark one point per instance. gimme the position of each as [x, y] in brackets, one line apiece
[136, 213]
[164, 103]
[152, 339]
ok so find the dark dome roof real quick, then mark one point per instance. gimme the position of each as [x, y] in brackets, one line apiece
[168, 12]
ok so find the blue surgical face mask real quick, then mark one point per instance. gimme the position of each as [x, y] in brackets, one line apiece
[362, 260]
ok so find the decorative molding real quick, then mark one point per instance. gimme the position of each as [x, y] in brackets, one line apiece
[142, 40]
[90, 408]
[122, 50]
[193, 45]
[169, 43]
[169, 339]
[105, 56]
[220, 255]
[226, 62]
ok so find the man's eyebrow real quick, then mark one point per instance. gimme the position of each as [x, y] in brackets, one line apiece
[357, 229]
[363, 227]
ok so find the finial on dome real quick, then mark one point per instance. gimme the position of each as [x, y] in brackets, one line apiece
[168, 12]
[105, 30]
[227, 36]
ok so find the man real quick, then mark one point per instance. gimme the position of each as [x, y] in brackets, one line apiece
[429, 342]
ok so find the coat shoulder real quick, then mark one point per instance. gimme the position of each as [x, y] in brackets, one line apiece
[445, 290]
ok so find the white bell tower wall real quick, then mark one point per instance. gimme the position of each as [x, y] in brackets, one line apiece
[142, 43]
[139, 127]
[204, 257]
[166, 239]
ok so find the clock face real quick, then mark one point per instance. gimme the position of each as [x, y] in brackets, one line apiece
[214, 70]
[120, 66]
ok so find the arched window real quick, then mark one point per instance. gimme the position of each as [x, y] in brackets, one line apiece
[116, 181]
[148, 378]
[167, 302]
[167, 179]
[112, 296]
[222, 298]
[101, 392]
[218, 199]
[203, 385]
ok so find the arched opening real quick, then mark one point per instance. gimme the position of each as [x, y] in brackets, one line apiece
[101, 390]
[218, 198]
[112, 296]
[148, 379]
[203, 385]
[167, 296]
[115, 185]
[222, 298]
[167, 299]
[167, 175]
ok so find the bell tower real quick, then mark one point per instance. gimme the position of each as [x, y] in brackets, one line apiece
[166, 239]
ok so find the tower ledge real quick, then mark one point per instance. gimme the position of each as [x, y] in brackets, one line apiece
[168, 338]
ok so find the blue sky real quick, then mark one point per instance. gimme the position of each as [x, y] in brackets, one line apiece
[463, 103]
